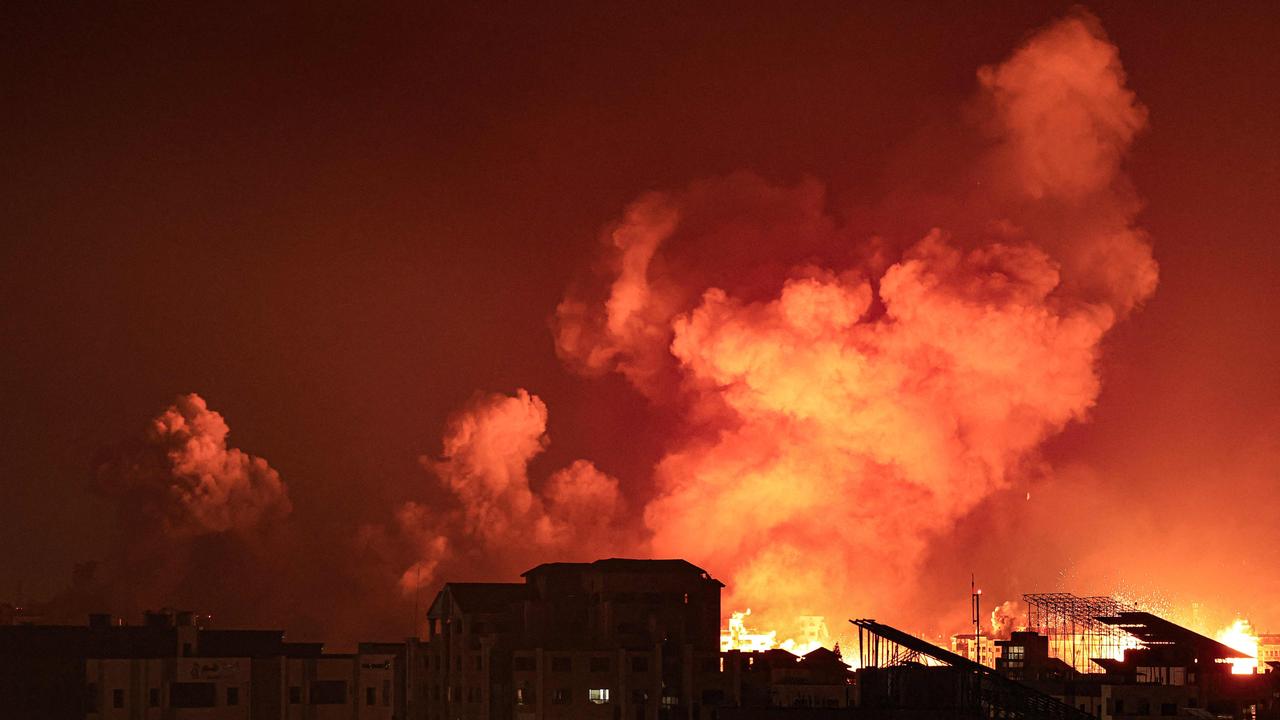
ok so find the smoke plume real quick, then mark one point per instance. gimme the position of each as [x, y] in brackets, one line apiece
[184, 481]
[851, 395]
[492, 521]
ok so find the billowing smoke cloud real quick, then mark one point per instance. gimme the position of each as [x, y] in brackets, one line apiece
[851, 396]
[184, 480]
[851, 383]
[192, 511]
[493, 522]
[1007, 617]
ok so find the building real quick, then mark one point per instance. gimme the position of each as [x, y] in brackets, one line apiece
[980, 650]
[171, 668]
[619, 638]
[1268, 651]
[777, 678]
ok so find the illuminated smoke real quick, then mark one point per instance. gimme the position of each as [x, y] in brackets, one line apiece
[1007, 617]
[184, 479]
[496, 522]
[849, 402]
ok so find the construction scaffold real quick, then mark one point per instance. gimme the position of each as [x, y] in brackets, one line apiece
[906, 676]
[1076, 635]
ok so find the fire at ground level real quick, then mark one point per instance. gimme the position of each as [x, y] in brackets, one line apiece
[636, 639]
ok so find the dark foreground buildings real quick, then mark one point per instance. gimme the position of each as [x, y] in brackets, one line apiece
[617, 639]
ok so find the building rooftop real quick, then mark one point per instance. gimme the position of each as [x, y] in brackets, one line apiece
[626, 565]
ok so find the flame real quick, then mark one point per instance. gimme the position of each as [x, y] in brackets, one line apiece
[1240, 635]
[738, 637]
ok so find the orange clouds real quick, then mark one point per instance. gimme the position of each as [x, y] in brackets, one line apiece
[495, 520]
[847, 397]
[183, 476]
[854, 411]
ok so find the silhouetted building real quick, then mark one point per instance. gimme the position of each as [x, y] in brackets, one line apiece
[618, 639]
[170, 668]
[777, 678]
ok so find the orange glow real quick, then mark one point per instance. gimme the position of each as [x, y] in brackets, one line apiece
[737, 636]
[1241, 636]
[844, 409]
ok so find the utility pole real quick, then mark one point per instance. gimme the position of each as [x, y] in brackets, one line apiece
[976, 595]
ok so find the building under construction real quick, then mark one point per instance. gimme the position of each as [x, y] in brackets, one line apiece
[1076, 630]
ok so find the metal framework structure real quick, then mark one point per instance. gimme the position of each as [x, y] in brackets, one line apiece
[1076, 633]
[895, 666]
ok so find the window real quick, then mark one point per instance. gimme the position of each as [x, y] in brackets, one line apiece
[1014, 652]
[117, 698]
[712, 697]
[639, 663]
[91, 697]
[525, 696]
[192, 695]
[329, 692]
[233, 696]
[525, 663]
[479, 662]
[457, 663]
[153, 697]
[599, 664]
[599, 696]
[561, 664]
[370, 696]
[1119, 707]
[1168, 708]
[386, 693]
[186, 649]
[295, 694]
[670, 701]
[560, 696]
[639, 697]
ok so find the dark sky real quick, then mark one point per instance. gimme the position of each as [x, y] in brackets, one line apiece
[336, 224]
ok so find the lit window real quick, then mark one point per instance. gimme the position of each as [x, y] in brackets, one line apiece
[1014, 652]
[598, 696]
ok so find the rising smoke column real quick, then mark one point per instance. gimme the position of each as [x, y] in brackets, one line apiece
[192, 511]
[850, 398]
[493, 522]
[182, 480]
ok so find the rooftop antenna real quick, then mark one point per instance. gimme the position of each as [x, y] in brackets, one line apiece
[976, 595]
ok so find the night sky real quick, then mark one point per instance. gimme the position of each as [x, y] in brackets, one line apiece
[338, 224]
